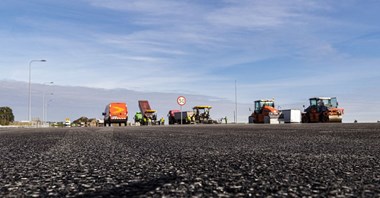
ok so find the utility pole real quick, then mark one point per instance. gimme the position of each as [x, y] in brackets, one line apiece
[236, 112]
[43, 100]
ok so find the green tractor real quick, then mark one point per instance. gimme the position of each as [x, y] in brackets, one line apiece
[150, 118]
[138, 118]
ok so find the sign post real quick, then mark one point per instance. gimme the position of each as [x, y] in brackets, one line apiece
[181, 100]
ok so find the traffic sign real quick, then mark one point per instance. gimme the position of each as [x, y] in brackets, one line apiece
[181, 100]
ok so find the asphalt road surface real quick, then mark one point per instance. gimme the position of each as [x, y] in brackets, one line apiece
[292, 160]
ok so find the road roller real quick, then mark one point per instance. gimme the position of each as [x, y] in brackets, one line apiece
[322, 109]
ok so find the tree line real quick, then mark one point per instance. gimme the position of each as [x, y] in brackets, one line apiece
[6, 116]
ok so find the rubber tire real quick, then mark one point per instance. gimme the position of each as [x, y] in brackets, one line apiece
[305, 119]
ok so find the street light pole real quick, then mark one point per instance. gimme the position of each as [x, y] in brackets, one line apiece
[236, 114]
[43, 100]
[47, 106]
[30, 88]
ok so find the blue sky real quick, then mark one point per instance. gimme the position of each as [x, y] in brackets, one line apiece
[287, 50]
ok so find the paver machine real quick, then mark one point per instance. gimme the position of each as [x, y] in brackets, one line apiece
[265, 112]
[149, 116]
[202, 115]
[323, 109]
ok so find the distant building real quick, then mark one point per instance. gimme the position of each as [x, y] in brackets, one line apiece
[92, 123]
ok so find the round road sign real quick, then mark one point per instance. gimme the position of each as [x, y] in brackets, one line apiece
[181, 100]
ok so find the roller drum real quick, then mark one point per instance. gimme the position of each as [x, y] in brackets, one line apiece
[335, 118]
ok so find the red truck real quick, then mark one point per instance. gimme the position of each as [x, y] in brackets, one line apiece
[174, 117]
[116, 112]
[171, 116]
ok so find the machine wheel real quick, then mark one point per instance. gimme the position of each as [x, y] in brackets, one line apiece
[325, 118]
[305, 119]
[250, 119]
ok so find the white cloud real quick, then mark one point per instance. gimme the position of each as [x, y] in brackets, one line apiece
[258, 15]
[151, 7]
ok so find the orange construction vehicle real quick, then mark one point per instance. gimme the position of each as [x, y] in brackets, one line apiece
[323, 109]
[265, 112]
[116, 112]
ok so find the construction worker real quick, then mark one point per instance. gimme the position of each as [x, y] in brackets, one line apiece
[162, 121]
[144, 123]
[188, 119]
[193, 118]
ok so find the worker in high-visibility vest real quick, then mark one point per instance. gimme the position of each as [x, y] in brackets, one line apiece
[144, 123]
[162, 121]
[188, 119]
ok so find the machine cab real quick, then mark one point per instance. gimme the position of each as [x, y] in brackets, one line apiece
[259, 104]
[202, 110]
[324, 101]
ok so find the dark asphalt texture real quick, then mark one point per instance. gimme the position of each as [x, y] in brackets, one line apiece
[289, 160]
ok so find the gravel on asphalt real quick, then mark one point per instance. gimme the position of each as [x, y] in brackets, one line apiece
[292, 160]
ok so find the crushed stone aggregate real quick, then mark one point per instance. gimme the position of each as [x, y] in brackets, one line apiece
[290, 160]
